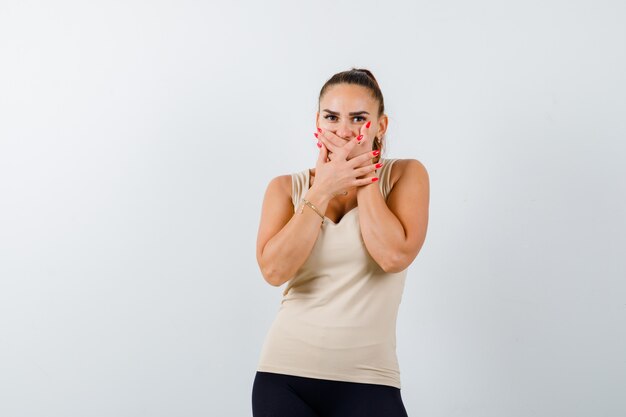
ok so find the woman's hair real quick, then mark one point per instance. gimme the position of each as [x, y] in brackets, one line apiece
[362, 77]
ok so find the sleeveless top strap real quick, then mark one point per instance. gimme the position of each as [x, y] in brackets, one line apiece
[385, 176]
[300, 181]
[298, 186]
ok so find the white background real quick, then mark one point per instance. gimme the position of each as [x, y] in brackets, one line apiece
[136, 142]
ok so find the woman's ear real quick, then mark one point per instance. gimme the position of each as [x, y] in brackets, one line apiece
[382, 125]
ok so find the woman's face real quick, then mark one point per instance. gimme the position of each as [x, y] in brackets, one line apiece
[344, 109]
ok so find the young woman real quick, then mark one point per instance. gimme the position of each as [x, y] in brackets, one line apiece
[341, 236]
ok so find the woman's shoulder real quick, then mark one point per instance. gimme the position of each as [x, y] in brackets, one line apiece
[286, 184]
[406, 166]
[280, 185]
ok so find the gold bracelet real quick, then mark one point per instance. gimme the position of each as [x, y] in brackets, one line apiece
[308, 203]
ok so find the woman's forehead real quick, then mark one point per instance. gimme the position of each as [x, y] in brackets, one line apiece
[347, 97]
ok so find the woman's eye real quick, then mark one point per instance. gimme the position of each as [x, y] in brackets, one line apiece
[361, 118]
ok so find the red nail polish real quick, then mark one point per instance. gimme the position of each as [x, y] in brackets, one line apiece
[374, 179]
[375, 153]
[358, 138]
[368, 124]
[315, 134]
[319, 130]
[379, 165]
[319, 145]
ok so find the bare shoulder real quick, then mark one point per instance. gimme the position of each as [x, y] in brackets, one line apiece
[280, 187]
[277, 209]
[283, 182]
[409, 169]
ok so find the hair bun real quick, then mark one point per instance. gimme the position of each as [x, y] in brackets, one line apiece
[366, 71]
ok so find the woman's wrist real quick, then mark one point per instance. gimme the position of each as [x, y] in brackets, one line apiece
[318, 197]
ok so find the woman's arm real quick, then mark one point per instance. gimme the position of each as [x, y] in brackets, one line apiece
[285, 239]
[394, 231]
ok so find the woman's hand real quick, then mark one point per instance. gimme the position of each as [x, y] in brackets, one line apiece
[329, 138]
[334, 176]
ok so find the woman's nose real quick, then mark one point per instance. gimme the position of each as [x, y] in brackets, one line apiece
[344, 132]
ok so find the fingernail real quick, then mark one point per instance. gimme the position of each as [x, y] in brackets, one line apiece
[319, 130]
[319, 145]
[374, 179]
[368, 124]
[379, 165]
[375, 153]
[315, 134]
[358, 138]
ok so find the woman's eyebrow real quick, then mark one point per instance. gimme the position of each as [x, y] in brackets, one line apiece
[354, 113]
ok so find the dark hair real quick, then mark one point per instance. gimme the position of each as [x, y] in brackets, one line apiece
[365, 78]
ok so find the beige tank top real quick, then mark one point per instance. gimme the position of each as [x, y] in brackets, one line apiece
[337, 315]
